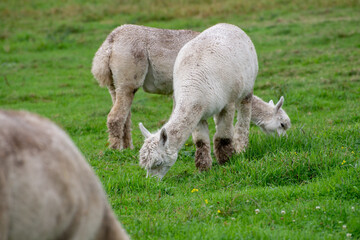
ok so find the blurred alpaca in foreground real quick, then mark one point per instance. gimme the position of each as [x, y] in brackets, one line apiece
[47, 189]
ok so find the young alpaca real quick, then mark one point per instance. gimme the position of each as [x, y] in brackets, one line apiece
[132, 57]
[213, 73]
[47, 189]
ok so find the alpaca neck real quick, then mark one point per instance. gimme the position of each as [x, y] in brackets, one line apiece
[182, 122]
[260, 111]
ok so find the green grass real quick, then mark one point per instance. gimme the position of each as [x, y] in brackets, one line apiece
[309, 51]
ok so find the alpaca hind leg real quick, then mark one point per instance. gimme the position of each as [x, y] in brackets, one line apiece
[201, 139]
[117, 118]
[129, 68]
[127, 133]
[223, 138]
[4, 202]
[242, 126]
[112, 93]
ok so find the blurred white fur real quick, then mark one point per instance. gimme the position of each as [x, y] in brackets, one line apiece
[47, 189]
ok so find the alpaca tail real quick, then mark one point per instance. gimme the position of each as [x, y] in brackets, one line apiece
[100, 65]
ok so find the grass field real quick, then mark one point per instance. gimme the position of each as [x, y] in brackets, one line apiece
[305, 187]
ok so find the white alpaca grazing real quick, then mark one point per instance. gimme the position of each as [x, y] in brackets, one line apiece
[47, 189]
[213, 74]
[132, 57]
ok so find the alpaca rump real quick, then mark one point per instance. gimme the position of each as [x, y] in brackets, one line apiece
[136, 56]
[214, 73]
[47, 189]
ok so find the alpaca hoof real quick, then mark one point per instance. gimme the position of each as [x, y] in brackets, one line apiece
[128, 145]
[203, 159]
[223, 150]
[114, 143]
[203, 164]
[240, 147]
[240, 144]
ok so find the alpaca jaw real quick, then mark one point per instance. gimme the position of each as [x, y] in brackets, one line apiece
[159, 172]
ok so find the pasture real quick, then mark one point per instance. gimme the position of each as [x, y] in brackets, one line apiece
[305, 186]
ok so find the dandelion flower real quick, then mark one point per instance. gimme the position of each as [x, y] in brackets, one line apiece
[206, 201]
[283, 212]
[344, 226]
[343, 162]
[194, 190]
[352, 152]
[219, 211]
[317, 207]
[257, 211]
[348, 235]
[353, 209]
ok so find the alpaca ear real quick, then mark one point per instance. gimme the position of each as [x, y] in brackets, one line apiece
[271, 103]
[279, 104]
[144, 131]
[163, 137]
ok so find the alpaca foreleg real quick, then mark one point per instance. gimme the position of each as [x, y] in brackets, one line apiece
[223, 138]
[242, 126]
[201, 139]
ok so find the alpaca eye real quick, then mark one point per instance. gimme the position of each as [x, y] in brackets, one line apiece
[282, 125]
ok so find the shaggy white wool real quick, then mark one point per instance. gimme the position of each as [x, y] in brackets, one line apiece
[212, 72]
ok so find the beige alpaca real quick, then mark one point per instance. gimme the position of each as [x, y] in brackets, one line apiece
[132, 57]
[47, 189]
[136, 56]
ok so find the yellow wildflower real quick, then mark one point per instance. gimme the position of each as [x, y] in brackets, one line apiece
[206, 201]
[343, 162]
[194, 190]
[219, 211]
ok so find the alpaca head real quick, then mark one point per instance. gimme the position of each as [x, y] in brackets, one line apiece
[155, 155]
[277, 121]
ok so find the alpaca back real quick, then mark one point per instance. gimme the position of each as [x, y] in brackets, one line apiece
[140, 49]
[217, 67]
[47, 189]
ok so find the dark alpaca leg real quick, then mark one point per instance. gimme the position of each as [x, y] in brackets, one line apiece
[201, 139]
[223, 143]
